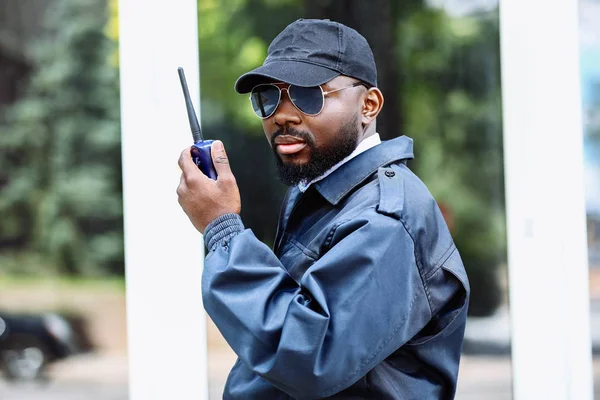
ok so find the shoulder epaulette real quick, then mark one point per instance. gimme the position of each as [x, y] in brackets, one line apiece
[391, 190]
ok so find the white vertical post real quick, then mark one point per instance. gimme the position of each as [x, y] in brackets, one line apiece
[164, 254]
[547, 253]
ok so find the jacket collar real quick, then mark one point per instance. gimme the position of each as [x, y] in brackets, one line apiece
[340, 182]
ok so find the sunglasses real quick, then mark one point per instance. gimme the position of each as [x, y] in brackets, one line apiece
[265, 98]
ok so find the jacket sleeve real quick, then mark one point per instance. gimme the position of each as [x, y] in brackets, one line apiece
[353, 307]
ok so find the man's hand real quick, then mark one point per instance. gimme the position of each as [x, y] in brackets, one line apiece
[203, 199]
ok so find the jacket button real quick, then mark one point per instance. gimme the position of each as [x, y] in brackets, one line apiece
[390, 174]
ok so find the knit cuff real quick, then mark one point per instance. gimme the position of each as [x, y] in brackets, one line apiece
[222, 229]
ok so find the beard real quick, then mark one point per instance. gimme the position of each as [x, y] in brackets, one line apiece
[321, 158]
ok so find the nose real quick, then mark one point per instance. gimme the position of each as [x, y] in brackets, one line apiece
[286, 113]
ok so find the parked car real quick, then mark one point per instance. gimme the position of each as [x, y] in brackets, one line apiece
[30, 342]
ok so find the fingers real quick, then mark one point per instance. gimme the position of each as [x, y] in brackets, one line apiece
[182, 187]
[188, 167]
[192, 179]
[220, 160]
[186, 163]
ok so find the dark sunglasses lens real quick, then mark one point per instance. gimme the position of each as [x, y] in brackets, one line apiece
[264, 99]
[308, 99]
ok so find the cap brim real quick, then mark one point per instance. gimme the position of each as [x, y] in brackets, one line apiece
[293, 72]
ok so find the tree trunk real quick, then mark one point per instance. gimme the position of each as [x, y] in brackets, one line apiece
[375, 20]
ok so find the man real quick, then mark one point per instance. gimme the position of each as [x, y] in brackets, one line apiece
[364, 295]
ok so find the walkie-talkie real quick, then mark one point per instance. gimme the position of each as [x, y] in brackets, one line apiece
[201, 148]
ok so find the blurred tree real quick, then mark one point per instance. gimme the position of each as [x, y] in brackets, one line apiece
[61, 159]
[591, 130]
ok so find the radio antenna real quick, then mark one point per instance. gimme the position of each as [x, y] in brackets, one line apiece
[194, 124]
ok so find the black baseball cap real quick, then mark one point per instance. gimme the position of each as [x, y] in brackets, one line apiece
[310, 52]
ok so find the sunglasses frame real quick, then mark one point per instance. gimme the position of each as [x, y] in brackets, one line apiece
[280, 89]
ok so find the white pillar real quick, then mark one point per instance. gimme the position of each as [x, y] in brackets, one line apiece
[164, 254]
[547, 253]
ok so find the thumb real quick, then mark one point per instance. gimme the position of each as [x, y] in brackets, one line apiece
[220, 159]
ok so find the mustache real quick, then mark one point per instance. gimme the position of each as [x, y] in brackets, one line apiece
[292, 132]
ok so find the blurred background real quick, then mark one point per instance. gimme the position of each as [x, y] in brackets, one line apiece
[62, 288]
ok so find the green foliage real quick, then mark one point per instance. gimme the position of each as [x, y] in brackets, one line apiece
[233, 38]
[224, 57]
[591, 128]
[60, 161]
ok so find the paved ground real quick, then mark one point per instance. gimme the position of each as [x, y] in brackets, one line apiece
[104, 377]
[89, 377]
[65, 391]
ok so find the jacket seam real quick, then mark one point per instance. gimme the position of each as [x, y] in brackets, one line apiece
[305, 250]
[278, 234]
[419, 264]
[449, 251]
[329, 238]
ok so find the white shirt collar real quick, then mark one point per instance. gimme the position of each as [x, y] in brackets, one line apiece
[363, 146]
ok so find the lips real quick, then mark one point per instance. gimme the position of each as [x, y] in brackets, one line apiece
[287, 144]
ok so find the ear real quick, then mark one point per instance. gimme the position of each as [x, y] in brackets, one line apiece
[372, 105]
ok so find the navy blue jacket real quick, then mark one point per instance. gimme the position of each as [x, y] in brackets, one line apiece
[363, 297]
